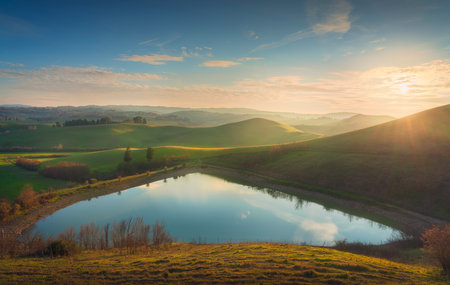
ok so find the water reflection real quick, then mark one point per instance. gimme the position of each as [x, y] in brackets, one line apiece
[207, 208]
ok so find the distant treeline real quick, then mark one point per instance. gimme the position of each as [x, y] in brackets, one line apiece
[102, 121]
[54, 149]
[85, 122]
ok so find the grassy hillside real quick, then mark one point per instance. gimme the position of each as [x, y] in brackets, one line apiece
[13, 179]
[405, 162]
[331, 127]
[245, 133]
[264, 263]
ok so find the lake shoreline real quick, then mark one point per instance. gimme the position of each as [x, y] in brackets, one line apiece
[407, 221]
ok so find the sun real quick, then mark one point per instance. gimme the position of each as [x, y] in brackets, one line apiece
[404, 89]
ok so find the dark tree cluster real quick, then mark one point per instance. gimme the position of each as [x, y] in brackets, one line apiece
[66, 170]
[85, 122]
[139, 120]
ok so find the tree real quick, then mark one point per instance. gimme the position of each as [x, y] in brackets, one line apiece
[144, 121]
[436, 241]
[27, 197]
[105, 120]
[149, 154]
[137, 120]
[127, 157]
[5, 209]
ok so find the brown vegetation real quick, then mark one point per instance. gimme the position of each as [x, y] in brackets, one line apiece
[27, 198]
[30, 164]
[437, 243]
[5, 209]
[66, 170]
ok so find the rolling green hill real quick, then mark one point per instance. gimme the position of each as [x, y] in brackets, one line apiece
[405, 162]
[245, 133]
[328, 126]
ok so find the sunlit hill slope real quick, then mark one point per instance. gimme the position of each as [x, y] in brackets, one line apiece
[245, 133]
[405, 162]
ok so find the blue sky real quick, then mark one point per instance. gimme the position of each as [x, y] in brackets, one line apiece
[378, 57]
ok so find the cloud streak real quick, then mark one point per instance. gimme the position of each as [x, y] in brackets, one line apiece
[219, 63]
[154, 59]
[332, 18]
[381, 88]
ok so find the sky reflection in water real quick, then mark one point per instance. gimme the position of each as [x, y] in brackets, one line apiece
[202, 206]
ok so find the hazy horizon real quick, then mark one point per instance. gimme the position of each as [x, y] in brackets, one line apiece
[371, 57]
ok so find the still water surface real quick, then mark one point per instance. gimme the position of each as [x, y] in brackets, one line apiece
[199, 206]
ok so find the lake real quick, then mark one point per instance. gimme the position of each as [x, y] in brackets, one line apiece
[203, 207]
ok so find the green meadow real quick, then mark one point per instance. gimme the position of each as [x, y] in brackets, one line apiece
[246, 133]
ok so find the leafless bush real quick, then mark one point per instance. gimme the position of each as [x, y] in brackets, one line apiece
[90, 236]
[8, 244]
[33, 243]
[160, 235]
[68, 234]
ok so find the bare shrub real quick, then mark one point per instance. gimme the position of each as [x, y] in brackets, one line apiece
[90, 236]
[27, 198]
[33, 243]
[68, 234]
[160, 235]
[436, 242]
[8, 244]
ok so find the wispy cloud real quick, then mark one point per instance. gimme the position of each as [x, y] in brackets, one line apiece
[250, 58]
[377, 41]
[83, 75]
[252, 35]
[154, 59]
[336, 19]
[379, 48]
[11, 64]
[333, 18]
[220, 63]
[381, 88]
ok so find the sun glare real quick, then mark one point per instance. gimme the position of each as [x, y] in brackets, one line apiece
[404, 89]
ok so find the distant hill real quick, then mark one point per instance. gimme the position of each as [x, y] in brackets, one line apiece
[15, 106]
[245, 133]
[159, 115]
[423, 133]
[405, 162]
[329, 126]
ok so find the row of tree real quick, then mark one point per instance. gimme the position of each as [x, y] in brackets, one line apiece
[129, 235]
[148, 155]
[102, 121]
[84, 122]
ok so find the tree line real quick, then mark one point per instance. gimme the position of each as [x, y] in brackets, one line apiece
[129, 235]
[102, 121]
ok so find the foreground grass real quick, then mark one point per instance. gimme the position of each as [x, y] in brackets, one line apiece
[241, 263]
